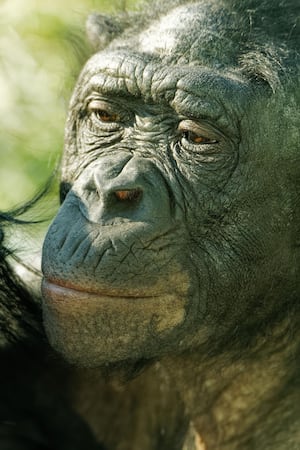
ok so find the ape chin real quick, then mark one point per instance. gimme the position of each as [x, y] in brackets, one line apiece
[119, 328]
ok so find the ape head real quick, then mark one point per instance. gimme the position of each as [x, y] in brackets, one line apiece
[178, 223]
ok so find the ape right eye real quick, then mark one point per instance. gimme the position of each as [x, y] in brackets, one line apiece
[105, 116]
[103, 112]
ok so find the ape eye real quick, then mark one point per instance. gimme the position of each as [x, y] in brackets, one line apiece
[198, 133]
[197, 139]
[103, 112]
[106, 117]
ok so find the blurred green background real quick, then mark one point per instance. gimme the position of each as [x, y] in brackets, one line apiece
[42, 47]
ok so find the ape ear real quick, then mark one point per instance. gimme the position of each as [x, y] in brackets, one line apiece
[102, 29]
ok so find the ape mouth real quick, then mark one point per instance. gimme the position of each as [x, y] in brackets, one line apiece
[118, 316]
[58, 289]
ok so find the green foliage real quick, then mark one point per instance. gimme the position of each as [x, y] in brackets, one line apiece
[42, 47]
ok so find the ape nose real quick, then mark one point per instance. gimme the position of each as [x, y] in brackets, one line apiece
[118, 186]
[119, 189]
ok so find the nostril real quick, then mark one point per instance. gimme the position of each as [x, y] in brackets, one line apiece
[129, 195]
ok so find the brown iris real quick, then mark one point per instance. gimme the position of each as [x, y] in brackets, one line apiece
[107, 117]
[128, 195]
[198, 139]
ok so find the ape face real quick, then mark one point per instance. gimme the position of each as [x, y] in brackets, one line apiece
[173, 225]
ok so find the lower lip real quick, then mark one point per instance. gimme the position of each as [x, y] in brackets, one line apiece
[62, 304]
[56, 292]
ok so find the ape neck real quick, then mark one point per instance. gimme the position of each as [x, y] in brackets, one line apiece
[227, 401]
[229, 396]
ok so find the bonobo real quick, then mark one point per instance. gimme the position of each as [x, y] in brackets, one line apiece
[171, 271]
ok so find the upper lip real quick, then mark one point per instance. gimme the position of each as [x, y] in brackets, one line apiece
[99, 292]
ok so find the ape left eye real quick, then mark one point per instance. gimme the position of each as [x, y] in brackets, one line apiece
[198, 139]
[198, 133]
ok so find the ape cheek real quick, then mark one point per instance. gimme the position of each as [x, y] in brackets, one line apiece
[90, 330]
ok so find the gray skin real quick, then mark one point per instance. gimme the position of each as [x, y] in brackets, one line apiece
[176, 247]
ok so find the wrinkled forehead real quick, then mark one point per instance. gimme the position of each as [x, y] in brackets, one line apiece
[128, 72]
[190, 91]
[181, 51]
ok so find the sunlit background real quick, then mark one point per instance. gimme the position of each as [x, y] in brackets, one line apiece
[42, 47]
